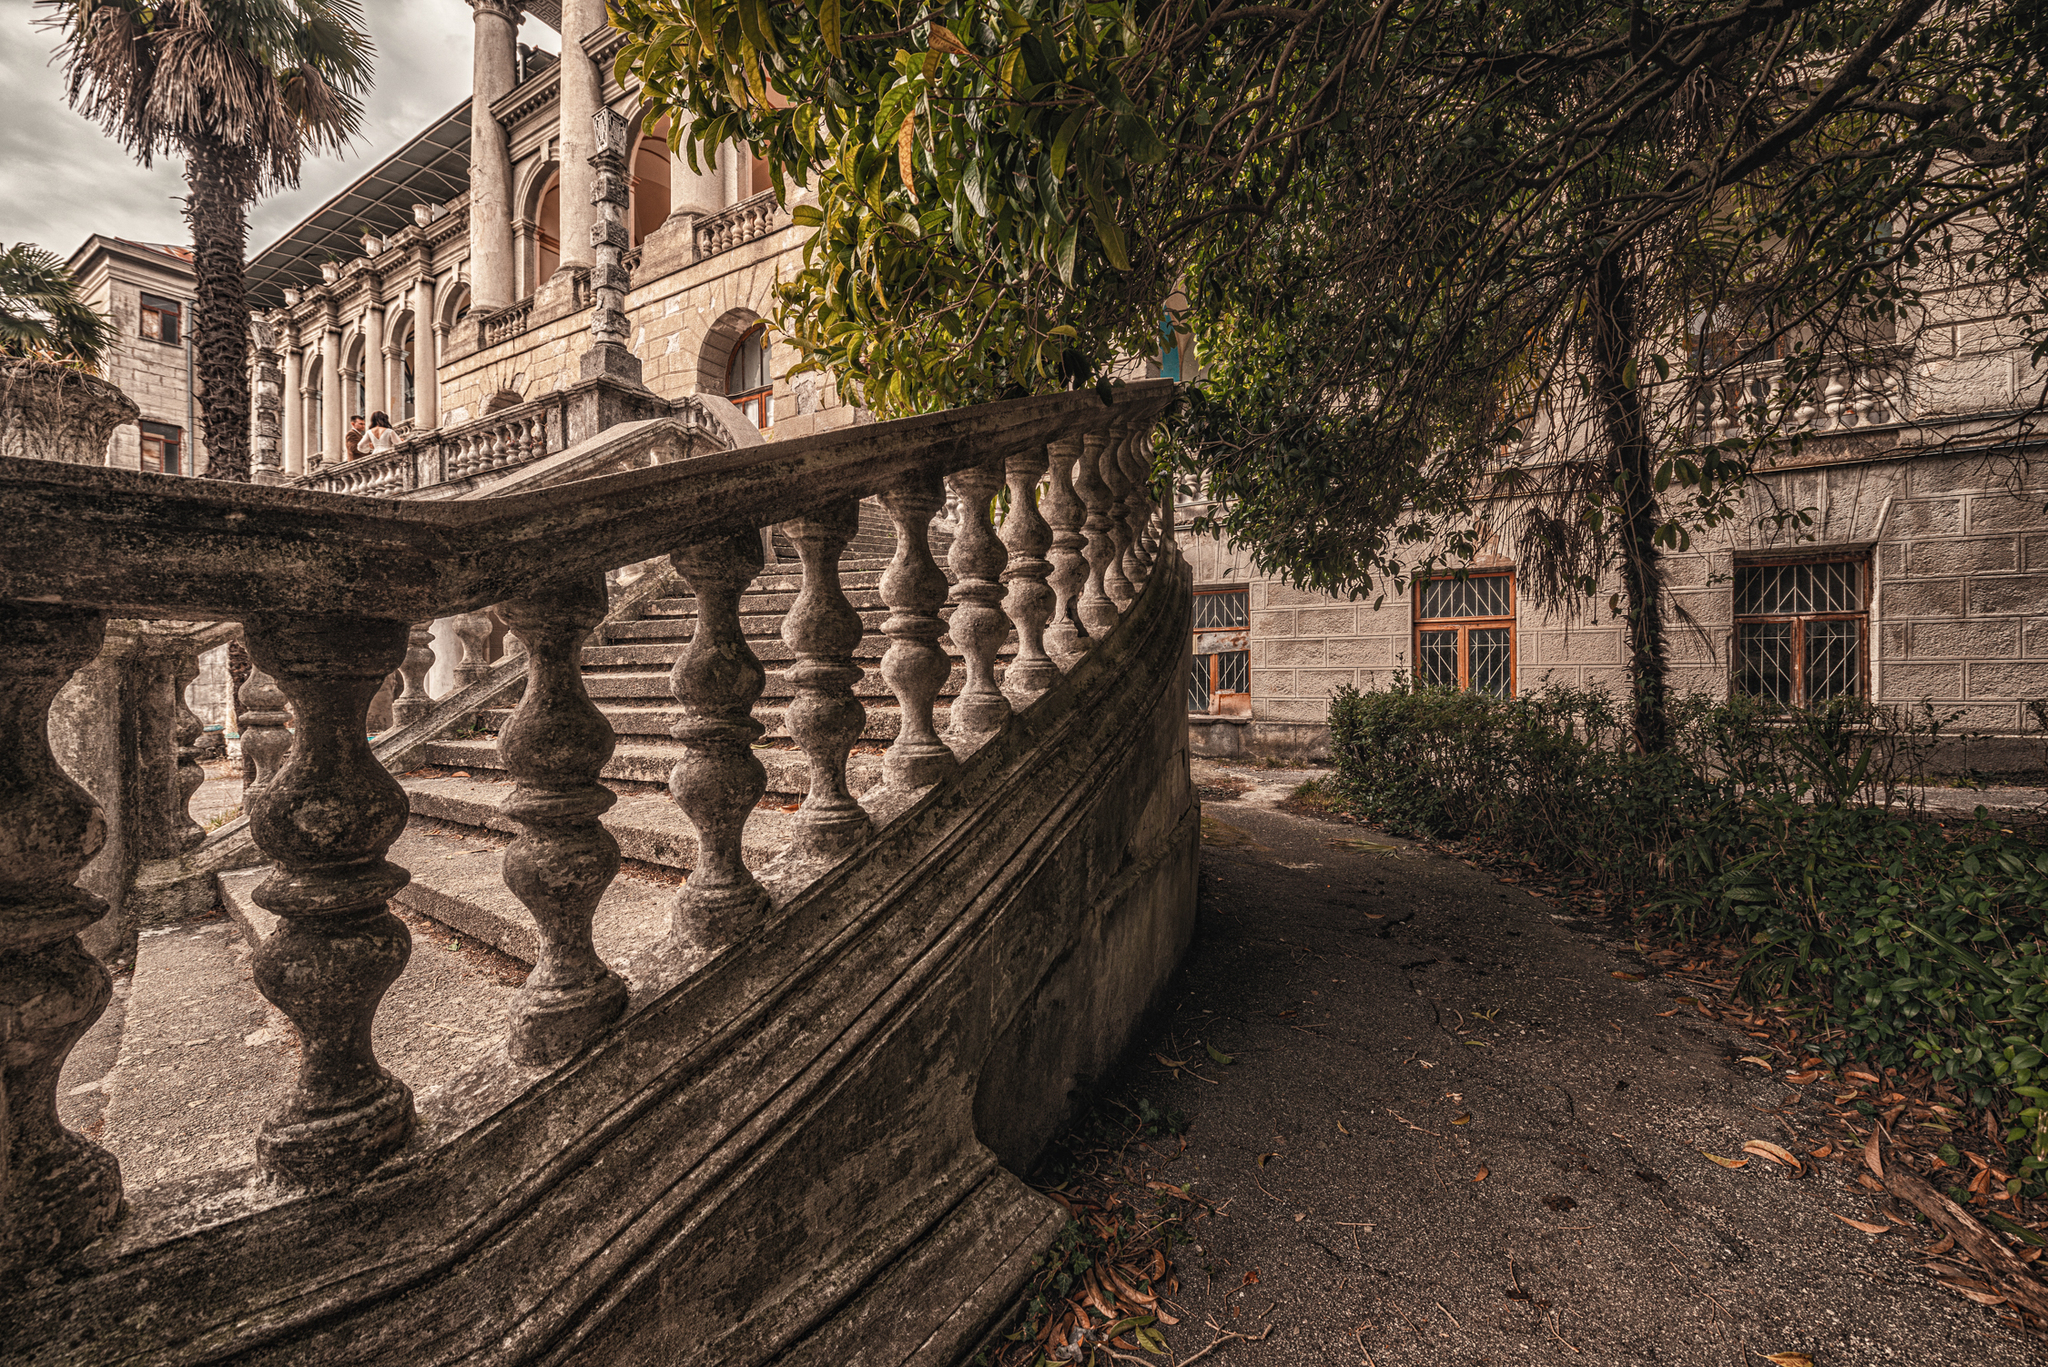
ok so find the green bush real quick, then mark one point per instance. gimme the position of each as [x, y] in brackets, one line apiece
[1919, 947]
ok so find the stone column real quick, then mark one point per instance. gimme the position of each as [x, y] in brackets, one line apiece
[294, 404]
[609, 235]
[490, 156]
[426, 368]
[375, 369]
[333, 414]
[731, 165]
[582, 97]
[691, 194]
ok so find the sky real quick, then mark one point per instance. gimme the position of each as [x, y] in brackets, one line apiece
[61, 179]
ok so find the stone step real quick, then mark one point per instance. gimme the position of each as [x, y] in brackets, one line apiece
[458, 880]
[649, 761]
[757, 603]
[649, 826]
[659, 717]
[653, 686]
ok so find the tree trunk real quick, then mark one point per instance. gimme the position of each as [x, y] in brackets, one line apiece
[1622, 412]
[222, 183]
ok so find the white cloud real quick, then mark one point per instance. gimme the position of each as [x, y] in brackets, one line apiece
[62, 180]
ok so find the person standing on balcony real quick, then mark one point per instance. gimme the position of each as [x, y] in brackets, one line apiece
[355, 442]
[381, 437]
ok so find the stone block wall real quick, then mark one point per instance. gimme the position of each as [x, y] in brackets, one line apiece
[684, 321]
[1958, 607]
[158, 376]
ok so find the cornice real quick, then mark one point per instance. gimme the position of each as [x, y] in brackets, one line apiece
[521, 100]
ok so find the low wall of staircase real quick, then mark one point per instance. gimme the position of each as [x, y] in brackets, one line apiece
[817, 963]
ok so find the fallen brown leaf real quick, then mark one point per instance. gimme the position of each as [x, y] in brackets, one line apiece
[1724, 1162]
[1483, 1174]
[1790, 1359]
[1866, 1226]
[1801, 1079]
[1764, 1148]
[1464, 1119]
[1251, 1278]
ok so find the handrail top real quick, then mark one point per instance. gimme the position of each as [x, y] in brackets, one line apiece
[146, 545]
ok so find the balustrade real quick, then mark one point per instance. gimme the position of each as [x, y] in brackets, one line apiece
[914, 667]
[1067, 638]
[1098, 611]
[328, 617]
[555, 746]
[742, 223]
[1109, 466]
[326, 820]
[717, 679]
[1842, 396]
[825, 718]
[1029, 601]
[978, 627]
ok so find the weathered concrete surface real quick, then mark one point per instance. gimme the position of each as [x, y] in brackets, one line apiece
[1347, 984]
[761, 1161]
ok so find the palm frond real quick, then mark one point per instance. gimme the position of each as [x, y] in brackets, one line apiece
[40, 310]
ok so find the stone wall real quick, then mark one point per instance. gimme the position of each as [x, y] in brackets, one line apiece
[1958, 608]
[158, 376]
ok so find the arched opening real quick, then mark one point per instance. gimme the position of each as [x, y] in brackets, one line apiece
[316, 408]
[456, 307]
[403, 349]
[749, 380]
[647, 180]
[758, 181]
[548, 232]
[356, 376]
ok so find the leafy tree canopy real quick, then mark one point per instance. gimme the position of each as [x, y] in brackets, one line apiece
[1391, 223]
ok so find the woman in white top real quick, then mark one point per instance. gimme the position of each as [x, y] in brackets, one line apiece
[382, 438]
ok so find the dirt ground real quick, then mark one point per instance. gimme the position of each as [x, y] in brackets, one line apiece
[1458, 1128]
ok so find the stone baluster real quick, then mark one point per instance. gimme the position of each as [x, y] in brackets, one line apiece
[414, 703]
[825, 718]
[58, 1191]
[325, 821]
[1876, 404]
[473, 631]
[1067, 638]
[555, 746]
[260, 708]
[1807, 410]
[914, 667]
[1097, 609]
[1029, 600]
[1834, 399]
[718, 780]
[978, 626]
[1135, 450]
[1109, 466]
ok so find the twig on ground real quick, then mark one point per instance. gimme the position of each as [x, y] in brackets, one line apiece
[1449, 1316]
[1412, 1125]
[1552, 1323]
[1227, 1336]
[1359, 1334]
[2008, 1273]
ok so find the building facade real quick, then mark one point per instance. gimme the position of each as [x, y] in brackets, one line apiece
[146, 290]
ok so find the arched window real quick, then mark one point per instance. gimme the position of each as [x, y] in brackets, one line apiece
[548, 232]
[748, 379]
[457, 307]
[406, 352]
[316, 407]
[648, 183]
[357, 376]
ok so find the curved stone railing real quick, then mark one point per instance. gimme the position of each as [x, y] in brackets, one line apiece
[778, 1132]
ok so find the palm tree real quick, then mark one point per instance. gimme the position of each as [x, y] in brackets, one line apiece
[41, 314]
[242, 90]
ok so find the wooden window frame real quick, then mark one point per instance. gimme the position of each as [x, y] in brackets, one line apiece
[766, 393]
[1465, 626]
[1859, 557]
[166, 432]
[161, 307]
[1216, 695]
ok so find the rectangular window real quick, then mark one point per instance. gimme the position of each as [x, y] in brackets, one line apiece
[1465, 633]
[1802, 629]
[162, 319]
[1220, 677]
[163, 448]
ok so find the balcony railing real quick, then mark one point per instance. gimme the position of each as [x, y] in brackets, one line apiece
[1846, 394]
[742, 223]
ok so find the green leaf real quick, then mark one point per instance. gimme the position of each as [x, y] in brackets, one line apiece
[1064, 139]
[1219, 1055]
[828, 26]
[1068, 246]
[1138, 139]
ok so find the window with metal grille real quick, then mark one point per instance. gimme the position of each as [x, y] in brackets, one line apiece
[162, 319]
[1801, 629]
[162, 447]
[1219, 677]
[748, 380]
[1465, 633]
